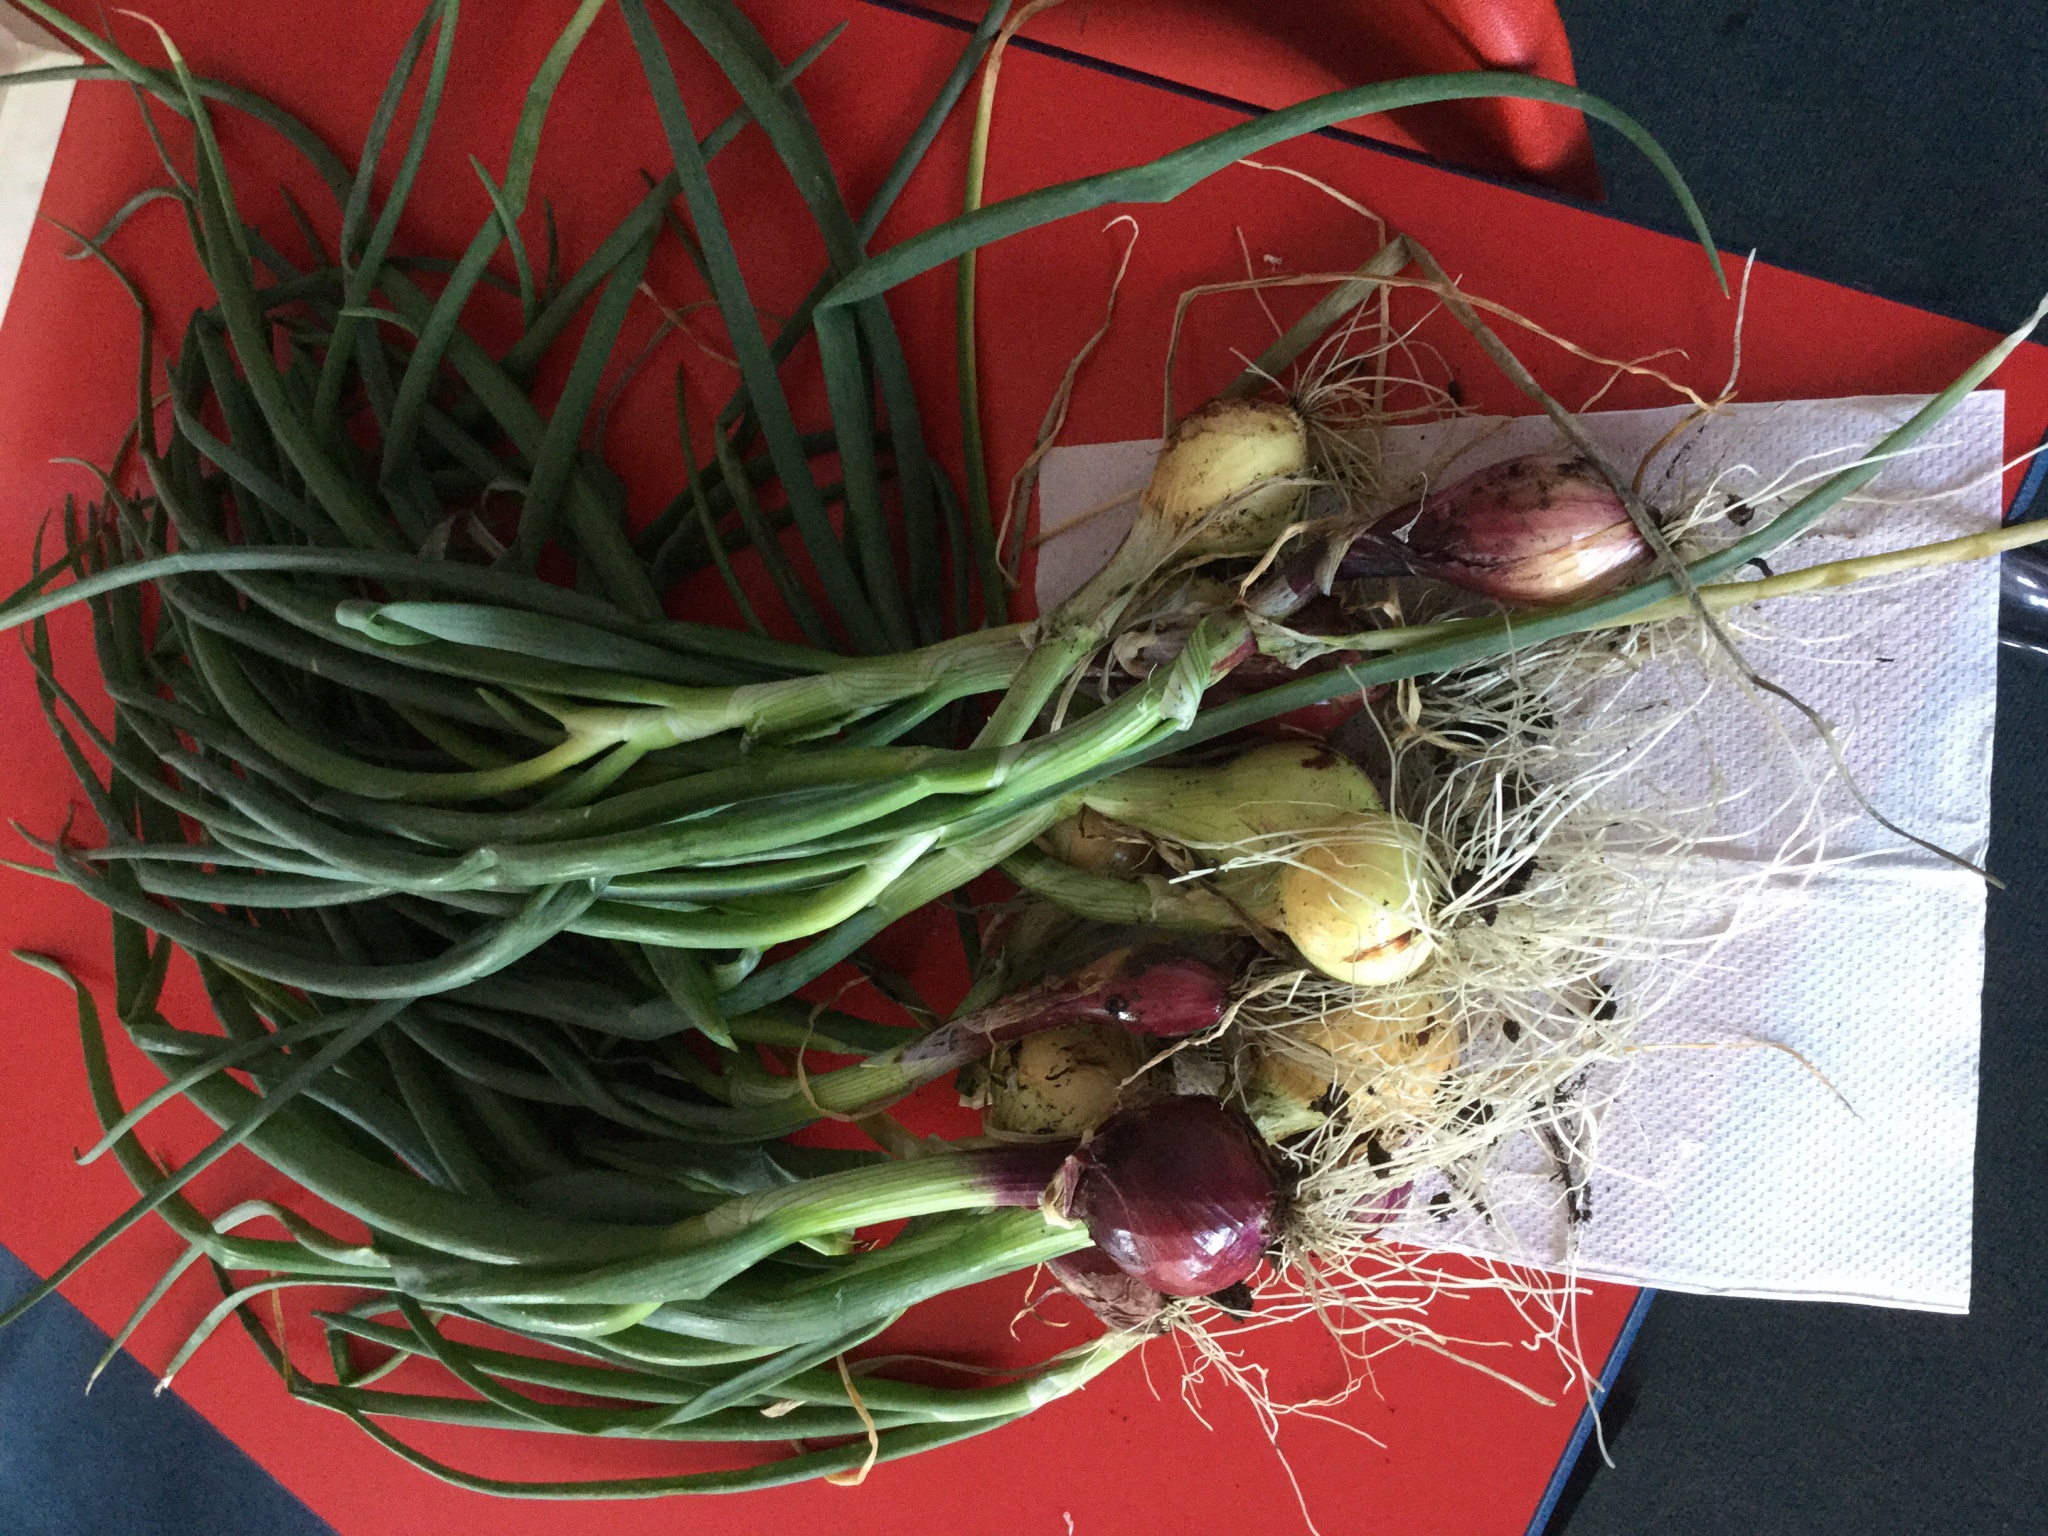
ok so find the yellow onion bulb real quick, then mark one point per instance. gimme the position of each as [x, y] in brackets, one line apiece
[1354, 900]
[1226, 483]
[1059, 1082]
[1098, 845]
[1387, 1055]
[1224, 479]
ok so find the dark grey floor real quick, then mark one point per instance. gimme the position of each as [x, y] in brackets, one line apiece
[1900, 146]
[123, 1462]
[1895, 145]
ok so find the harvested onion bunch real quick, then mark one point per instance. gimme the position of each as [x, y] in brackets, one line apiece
[492, 881]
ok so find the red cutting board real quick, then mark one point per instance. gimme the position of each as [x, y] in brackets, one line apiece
[1427, 1446]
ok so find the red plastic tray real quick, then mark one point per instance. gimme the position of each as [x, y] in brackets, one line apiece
[1428, 1446]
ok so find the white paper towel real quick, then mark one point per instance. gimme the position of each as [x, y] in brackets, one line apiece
[31, 117]
[1736, 1171]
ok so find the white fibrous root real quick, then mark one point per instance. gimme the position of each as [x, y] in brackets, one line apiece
[1463, 946]
[1383, 1058]
[1460, 972]
[1572, 895]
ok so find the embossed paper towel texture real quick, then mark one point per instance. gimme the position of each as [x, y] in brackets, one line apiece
[31, 117]
[1737, 1171]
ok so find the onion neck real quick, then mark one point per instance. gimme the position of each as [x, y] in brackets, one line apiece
[1064, 638]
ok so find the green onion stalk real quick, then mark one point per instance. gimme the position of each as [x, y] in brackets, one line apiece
[501, 888]
[335, 708]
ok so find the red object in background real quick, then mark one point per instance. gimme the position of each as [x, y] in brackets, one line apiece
[1273, 53]
[1451, 1452]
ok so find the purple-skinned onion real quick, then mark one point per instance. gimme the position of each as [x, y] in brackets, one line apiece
[1381, 1210]
[1177, 1193]
[1148, 989]
[1541, 528]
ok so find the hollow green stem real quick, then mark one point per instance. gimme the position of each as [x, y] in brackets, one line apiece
[701, 1254]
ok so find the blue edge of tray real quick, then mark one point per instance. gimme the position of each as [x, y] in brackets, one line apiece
[1576, 1446]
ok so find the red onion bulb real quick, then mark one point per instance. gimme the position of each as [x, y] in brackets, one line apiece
[1542, 528]
[1178, 1193]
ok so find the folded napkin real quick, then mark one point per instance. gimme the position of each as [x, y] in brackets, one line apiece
[31, 117]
